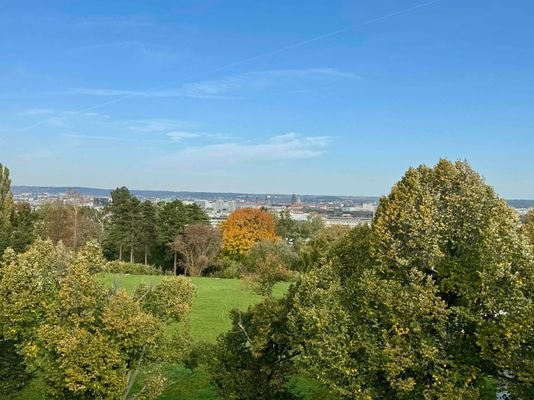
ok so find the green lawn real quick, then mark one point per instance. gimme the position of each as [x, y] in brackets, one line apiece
[215, 298]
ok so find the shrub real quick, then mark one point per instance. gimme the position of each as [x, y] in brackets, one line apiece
[122, 267]
[228, 268]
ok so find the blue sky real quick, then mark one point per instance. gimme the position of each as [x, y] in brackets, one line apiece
[319, 97]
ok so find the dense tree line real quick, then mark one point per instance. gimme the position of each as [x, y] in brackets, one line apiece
[146, 231]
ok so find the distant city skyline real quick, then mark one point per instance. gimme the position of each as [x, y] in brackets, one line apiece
[326, 97]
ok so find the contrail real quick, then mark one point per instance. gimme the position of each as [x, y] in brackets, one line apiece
[252, 58]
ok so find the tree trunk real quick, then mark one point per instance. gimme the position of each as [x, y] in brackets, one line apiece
[175, 260]
[120, 252]
[131, 254]
[146, 255]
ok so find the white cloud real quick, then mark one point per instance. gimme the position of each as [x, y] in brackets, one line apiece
[178, 136]
[158, 125]
[106, 92]
[289, 146]
[221, 88]
[59, 118]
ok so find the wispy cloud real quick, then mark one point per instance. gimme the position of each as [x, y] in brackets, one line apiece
[59, 113]
[178, 136]
[109, 138]
[59, 118]
[223, 87]
[158, 125]
[290, 146]
[106, 92]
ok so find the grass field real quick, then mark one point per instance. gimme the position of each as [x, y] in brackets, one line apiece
[209, 318]
[215, 298]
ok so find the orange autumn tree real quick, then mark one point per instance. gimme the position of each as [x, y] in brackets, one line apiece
[244, 227]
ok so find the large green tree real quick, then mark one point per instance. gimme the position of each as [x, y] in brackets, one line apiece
[122, 232]
[431, 302]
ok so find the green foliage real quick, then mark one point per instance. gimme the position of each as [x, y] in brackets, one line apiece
[269, 262]
[448, 224]
[429, 303]
[85, 340]
[317, 250]
[170, 300]
[146, 230]
[23, 222]
[91, 256]
[228, 267]
[295, 232]
[123, 267]
[254, 360]
[13, 373]
[528, 227]
[6, 207]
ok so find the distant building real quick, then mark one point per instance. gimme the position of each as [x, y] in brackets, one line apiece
[217, 220]
[345, 221]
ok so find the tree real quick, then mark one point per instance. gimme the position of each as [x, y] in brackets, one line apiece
[433, 300]
[68, 222]
[244, 227]
[268, 263]
[123, 220]
[85, 340]
[254, 360]
[23, 222]
[6, 207]
[173, 217]
[13, 373]
[199, 245]
[316, 251]
[147, 228]
[528, 227]
[295, 232]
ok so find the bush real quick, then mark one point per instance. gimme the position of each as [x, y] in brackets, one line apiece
[228, 268]
[122, 267]
[13, 374]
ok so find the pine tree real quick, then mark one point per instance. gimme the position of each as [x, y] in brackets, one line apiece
[147, 227]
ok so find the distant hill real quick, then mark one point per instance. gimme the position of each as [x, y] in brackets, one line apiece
[521, 203]
[183, 195]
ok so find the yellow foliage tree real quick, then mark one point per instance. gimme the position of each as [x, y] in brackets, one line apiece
[245, 227]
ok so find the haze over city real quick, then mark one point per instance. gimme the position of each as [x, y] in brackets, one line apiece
[322, 97]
